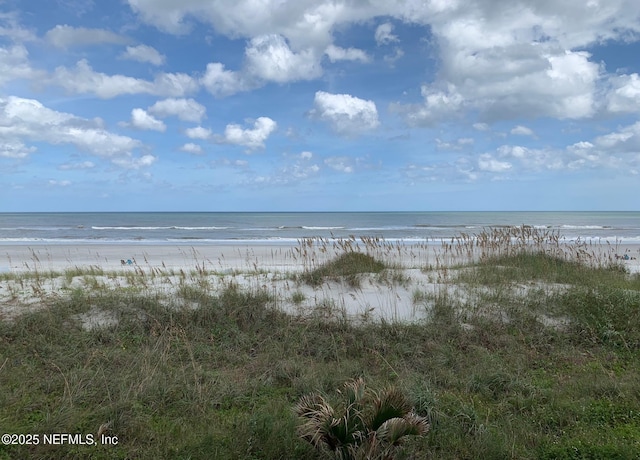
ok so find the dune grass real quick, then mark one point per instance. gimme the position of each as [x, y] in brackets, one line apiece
[551, 371]
[347, 266]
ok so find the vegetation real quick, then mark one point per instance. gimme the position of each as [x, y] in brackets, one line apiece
[523, 354]
[348, 266]
[364, 425]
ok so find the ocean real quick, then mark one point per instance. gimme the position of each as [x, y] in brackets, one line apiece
[195, 228]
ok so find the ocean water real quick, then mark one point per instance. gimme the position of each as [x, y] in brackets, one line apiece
[288, 228]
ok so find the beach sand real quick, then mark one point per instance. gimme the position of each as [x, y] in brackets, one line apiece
[165, 268]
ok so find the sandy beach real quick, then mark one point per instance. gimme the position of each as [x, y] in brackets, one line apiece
[229, 257]
[164, 268]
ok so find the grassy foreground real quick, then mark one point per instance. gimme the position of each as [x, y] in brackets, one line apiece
[540, 358]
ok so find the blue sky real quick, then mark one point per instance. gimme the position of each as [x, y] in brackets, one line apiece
[319, 105]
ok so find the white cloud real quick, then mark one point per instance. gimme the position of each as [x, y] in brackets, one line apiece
[458, 144]
[252, 137]
[144, 53]
[221, 82]
[140, 119]
[300, 169]
[192, 148]
[269, 58]
[198, 133]
[27, 119]
[438, 106]
[487, 163]
[14, 64]
[134, 163]
[346, 114]
[306, 23]
[174, 84]
[533, 159]
[626, 139]
[522, 131]
[64, 36]
[383, 34]
[502, 83]
[336, 53]
[625, 94]
[184, 109]
[77, 166]
[341, 164]
[59, 183]
[10, 28]
[14, 149]
[83, 79]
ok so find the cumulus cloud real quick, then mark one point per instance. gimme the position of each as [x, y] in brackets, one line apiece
[192, 148]
[346, 114]
[27, 119]
[616, 151]
[626, 139]
[526, 62]
[14, 149]
[14, 64]
[134, 163]
[64, 36]
[140, 119]
[341, 164]
[526, 58]
[624, 96]
[250, 137]
[83, 79]
[438, 105]
[383, 34]
[336, 53]
[10, 28]
[487, 163]
[144, 53]
[531, 159]
[269, 58]
[184, 109]
[198, 133]
[221, 82]
[306, 23]
[522, 131]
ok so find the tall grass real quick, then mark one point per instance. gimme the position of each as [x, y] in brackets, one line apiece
[527, 351]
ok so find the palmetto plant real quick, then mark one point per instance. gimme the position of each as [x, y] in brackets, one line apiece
[364, 424]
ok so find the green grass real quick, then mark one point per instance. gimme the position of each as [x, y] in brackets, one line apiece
[348, 266]
[221, 380]
[527, 266]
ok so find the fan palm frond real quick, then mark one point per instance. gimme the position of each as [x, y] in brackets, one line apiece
[390, 403]
[354, 391]
[365, 425]
[393, 430]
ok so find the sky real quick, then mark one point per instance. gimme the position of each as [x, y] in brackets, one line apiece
[319, 105]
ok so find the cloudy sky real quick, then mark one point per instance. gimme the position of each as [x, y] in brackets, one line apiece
[337, 105]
